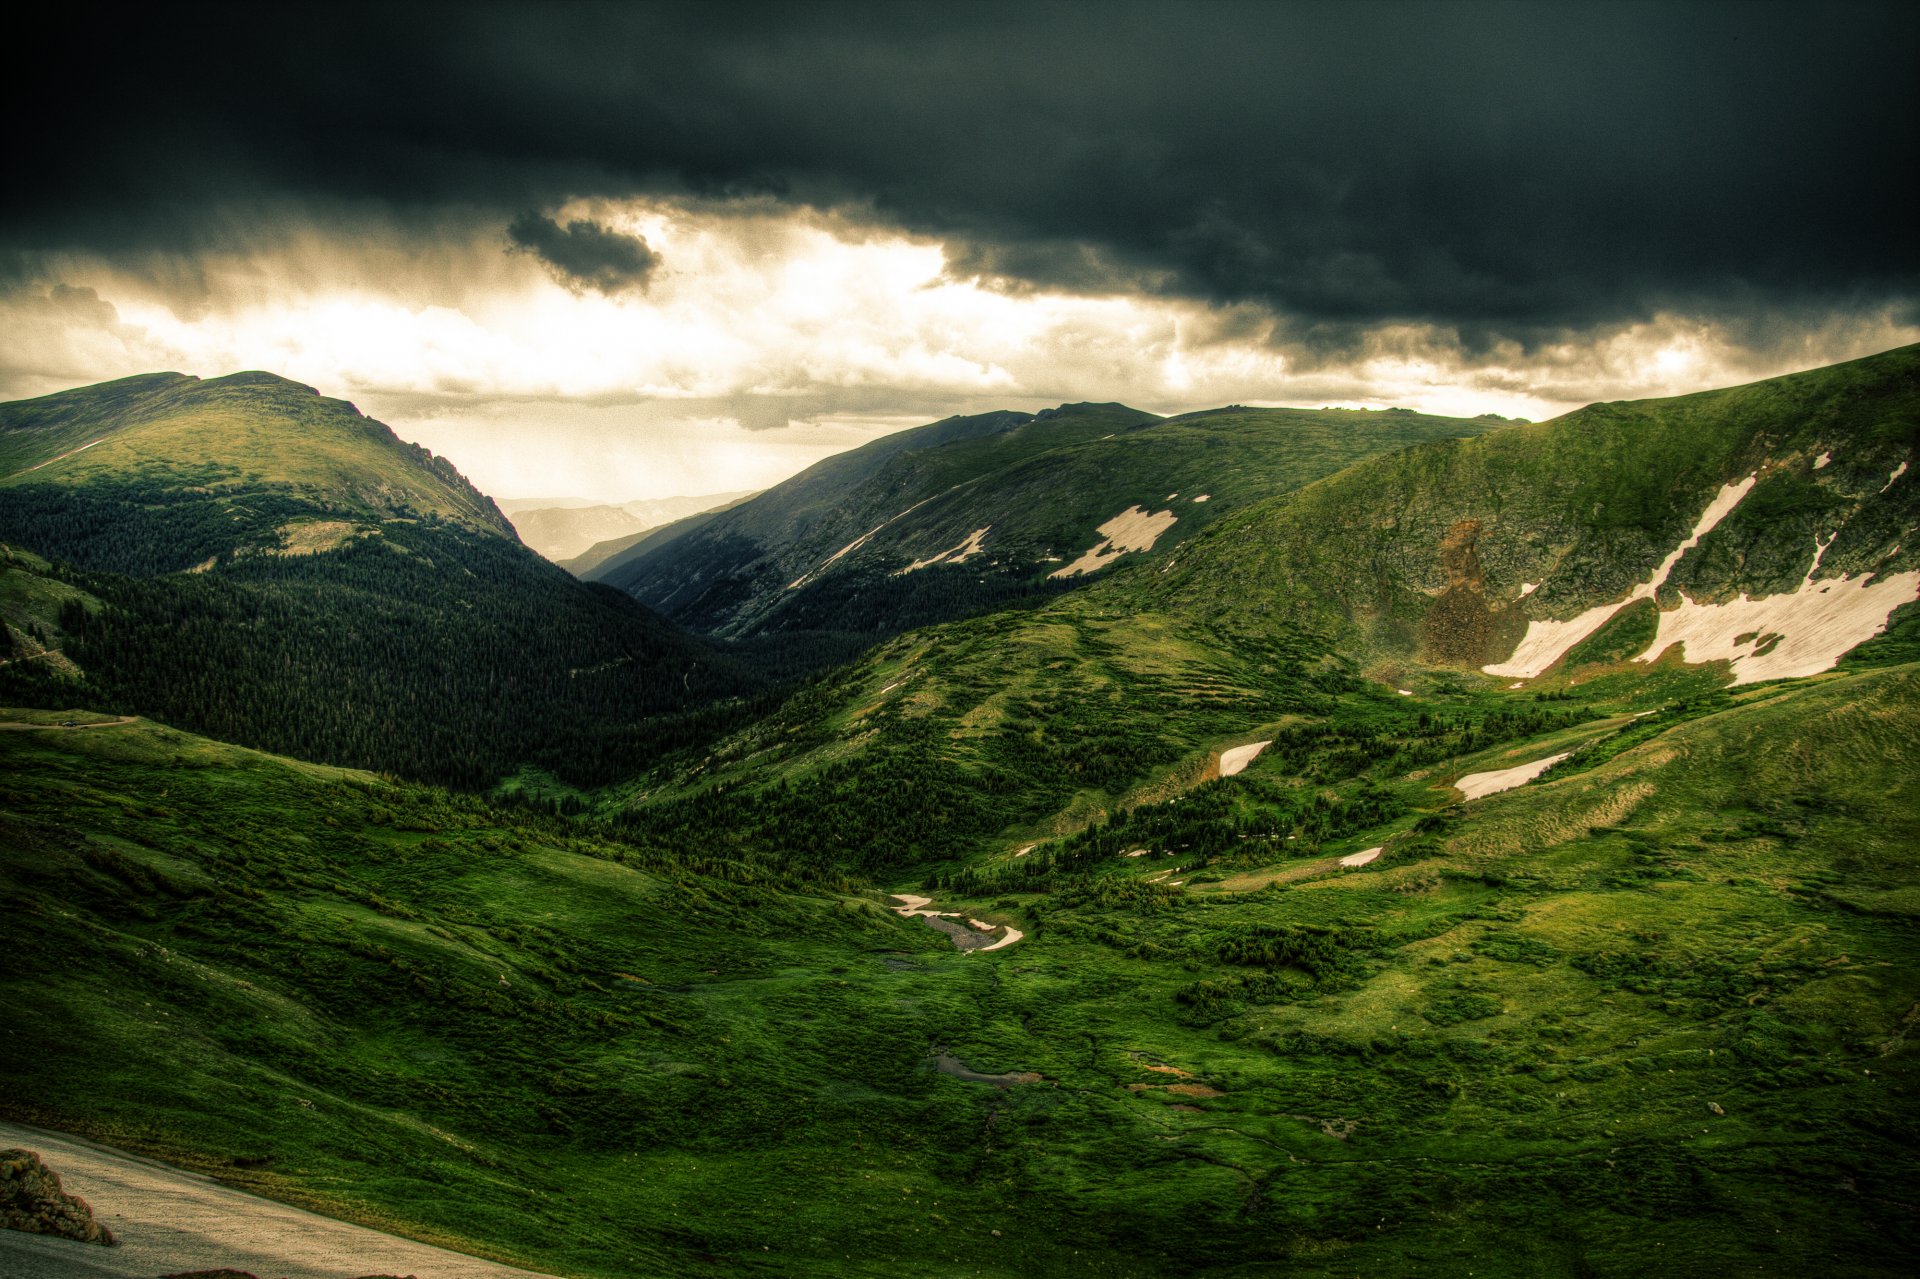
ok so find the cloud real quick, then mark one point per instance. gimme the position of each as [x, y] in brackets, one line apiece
[761, 412]
[62, 334]
[1508, 170]
[585, 255]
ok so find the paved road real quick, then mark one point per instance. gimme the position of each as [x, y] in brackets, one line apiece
[169, 1220]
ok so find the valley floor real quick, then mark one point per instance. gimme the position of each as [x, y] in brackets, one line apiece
[1646, 1013]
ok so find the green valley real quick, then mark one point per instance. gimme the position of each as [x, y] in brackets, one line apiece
[1468, 848]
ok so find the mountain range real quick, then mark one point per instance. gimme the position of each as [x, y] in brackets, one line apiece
[569, 530]
[970, 513]
[1455, 845]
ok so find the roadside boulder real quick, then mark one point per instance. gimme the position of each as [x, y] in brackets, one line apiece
[32, 1200]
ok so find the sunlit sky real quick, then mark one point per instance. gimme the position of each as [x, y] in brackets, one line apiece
[638, 254]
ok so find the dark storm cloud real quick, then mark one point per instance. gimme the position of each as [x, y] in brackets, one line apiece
[583, 254]
[1507, 168]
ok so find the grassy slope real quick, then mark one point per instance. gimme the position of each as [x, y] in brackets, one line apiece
[1279, 604]
[351, 598]
[1504, 1051]
[1040, 490]
[1587, 505]
[239, 433]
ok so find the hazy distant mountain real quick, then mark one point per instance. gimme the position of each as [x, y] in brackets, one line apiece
[588, 565]
[564, 531]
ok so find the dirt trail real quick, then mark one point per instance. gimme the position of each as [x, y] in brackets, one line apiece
[169, 1220]
[63, 457]
[15, 726]
[969, 936]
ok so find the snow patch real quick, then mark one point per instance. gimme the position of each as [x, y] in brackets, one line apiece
[1203, 497]
[1236, 760]
[855, 545]
[1898, 471]
[1822, 460]
[1546, 642]
[1528, 588]
[1481, 785]
[1361, 858]
[1404, 692]
[1131, 530]
[960, 553]
[1802, 632]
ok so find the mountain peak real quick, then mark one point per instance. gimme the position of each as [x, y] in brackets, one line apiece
[257, 378]
[226, 441]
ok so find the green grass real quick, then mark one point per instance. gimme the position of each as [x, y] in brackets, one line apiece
[1041, 488]
[1648, 1014]
[243, 433]
[1504, 1058]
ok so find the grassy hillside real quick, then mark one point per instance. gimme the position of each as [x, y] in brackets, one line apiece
[246, 558]
[1404, 572]
[1648, 1015]
[1427, 552]
[217, 448]
[942, 531]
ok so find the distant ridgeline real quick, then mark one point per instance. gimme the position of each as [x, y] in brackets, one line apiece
[975, 513]
[246, 558]
[1646, 553]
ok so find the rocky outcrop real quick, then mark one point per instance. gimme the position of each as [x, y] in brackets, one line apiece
[31, 1199]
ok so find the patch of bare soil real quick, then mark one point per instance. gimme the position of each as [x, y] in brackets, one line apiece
[1201, 1091]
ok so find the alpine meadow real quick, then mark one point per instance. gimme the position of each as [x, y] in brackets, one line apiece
[652, 706]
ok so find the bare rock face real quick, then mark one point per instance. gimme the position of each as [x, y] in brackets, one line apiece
[31, 1200]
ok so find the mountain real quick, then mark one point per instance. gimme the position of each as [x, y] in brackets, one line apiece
[1738, 535]
[834, 496]
[937, 524]
[1364, 885]
[586, 565]
[168, 473]
[1768, 526]
[564, 533]
[243, 556]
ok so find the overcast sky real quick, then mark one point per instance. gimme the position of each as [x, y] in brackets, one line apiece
[640, 250]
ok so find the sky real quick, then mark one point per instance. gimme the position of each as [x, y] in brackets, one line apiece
[628, 251]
